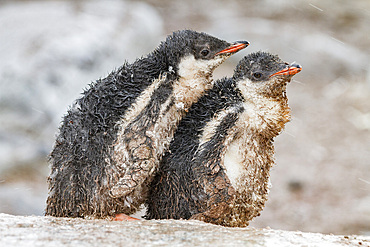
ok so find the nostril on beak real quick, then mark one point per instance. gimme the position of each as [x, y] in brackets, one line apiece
[294, 64]
[242, 42]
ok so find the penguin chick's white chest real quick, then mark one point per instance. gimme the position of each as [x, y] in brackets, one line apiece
[249, 143]
[233, 162]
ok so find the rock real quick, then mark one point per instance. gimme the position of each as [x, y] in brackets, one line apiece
[49, 231]
[50, 51]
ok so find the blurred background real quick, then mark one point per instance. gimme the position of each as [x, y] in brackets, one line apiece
[51, 50]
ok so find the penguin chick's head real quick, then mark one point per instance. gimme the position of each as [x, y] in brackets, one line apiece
[192, 53]
[264, 74]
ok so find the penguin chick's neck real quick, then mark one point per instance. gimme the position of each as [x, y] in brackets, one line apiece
[266, 109]
[250, 151]
[195, 78]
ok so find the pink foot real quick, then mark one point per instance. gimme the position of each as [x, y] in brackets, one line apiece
[123, 217]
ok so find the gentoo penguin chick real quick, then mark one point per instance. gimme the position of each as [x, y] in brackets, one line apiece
[217, 167]
[112, 138]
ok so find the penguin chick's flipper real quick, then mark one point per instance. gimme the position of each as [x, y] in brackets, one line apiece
[148, 127]
[137, 142]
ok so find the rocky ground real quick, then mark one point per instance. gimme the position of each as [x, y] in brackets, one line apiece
[50, 50]
[49, 231]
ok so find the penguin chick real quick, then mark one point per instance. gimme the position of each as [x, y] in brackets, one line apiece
[112, 138]
[217, 167]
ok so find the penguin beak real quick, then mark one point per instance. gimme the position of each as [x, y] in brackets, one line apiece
[235, 47]
[293, 69]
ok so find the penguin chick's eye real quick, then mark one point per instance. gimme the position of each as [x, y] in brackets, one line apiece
[204, 52]
[257, 75]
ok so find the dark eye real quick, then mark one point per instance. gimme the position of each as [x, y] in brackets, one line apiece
[257, 75]
[204, 52]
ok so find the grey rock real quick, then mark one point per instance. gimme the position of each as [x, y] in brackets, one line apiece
[49, 231]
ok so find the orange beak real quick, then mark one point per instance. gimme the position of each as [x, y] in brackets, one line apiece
[291, 70]
[235, 47]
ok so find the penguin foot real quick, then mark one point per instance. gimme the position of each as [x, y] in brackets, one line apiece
[124, 217]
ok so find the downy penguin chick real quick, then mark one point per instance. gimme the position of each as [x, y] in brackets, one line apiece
[217, 167]
[112, 138]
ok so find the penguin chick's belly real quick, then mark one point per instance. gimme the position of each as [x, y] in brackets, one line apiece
[233, 162]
